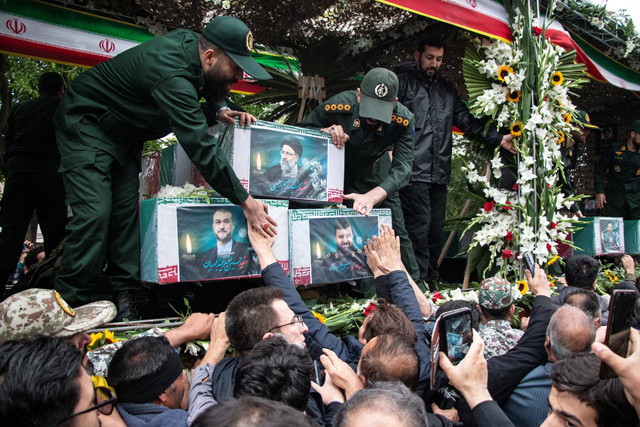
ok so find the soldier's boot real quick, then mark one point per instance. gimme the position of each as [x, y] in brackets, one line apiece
[126, 304]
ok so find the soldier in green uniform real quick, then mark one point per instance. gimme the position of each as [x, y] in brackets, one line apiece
[369, 123]
[569, 153]
[105, 116]
[620, 168]
[32, 181]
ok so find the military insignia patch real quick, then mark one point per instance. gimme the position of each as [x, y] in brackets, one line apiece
[64, 305]
[405, 122]
[617, 168]
[327, 107]
[340, 107]
[333, 107]
[249, 41]
[381, 90]
[347, 107]
[618, 152]
[356, 123]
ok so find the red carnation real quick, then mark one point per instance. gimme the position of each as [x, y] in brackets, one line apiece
[370, 309]
[506, 254]
[436, 296]
[515, 187]
[509, 236]
[548, 185]
[553, 225]
[488, 206]
[507, 206]
[549, 247]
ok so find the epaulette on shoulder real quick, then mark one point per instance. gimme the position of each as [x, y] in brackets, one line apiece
[337, 108]
[400, 120]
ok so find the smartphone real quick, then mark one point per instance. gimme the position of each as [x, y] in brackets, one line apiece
[529, 262]
[621, 311]
[319, 372]
[456, 335]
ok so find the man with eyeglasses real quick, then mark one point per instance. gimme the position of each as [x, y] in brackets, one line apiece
[44, 384]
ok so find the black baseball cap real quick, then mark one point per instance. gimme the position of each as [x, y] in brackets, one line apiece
[234, 37]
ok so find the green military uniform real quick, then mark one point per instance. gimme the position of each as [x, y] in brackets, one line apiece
[620, 168]
[103, 119]
[367, 161]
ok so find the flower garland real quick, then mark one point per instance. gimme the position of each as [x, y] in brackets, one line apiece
[523, 87]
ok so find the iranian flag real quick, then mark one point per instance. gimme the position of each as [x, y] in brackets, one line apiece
[489, 18]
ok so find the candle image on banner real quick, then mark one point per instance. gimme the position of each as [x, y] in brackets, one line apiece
[287, 166]
[337, 245]
[214, 243]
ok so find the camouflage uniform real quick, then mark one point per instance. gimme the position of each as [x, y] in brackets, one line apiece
[499, 337]
[43, 312]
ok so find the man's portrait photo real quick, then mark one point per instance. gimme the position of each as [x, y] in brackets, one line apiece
[610, 238]
[336, 247]
[214, 243]
[287, 166]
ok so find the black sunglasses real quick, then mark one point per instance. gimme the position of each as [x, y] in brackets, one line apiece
[298, 319]
[104, 401]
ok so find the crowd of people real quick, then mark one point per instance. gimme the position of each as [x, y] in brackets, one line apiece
[287, 368]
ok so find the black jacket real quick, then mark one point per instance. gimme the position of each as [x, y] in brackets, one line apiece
[437, 107]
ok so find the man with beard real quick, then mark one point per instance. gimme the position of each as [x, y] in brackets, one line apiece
[437, 107]
[347, 262]
[287, 179]
[619, 167]
[102, 122]
[228, 257]
[368, 122]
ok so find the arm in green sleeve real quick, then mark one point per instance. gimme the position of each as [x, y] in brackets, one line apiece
[601, 169]
[400, 172]
[177, 98]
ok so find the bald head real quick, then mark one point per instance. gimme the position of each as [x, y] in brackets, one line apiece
[570, 333]
[390, 358]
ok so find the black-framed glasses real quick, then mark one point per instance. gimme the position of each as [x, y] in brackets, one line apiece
[297, 319]
[104, 401]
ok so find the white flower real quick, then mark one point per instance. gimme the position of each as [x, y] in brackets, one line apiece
[192, 348]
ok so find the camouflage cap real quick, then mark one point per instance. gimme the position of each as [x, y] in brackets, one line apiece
[43, 312]
[495, 293]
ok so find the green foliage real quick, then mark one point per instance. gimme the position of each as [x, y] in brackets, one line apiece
[23, 75]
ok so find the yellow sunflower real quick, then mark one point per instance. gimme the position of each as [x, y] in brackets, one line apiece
[109, 337]
[514, 96]
[99, 381]
[557, 78]
[504, 71]
[320, 317]
[516, 129]
[552, 260]
[523, 286]
[561, 137]
[96, 337]
[567, 117]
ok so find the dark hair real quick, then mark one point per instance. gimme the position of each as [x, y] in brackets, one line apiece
[249, 316]
[387, 397]
[476, 316]
[32, 256]
[388, 319]
[579, 376]
[252, 412]
[227, 210]
[38, 381]
[138, 358]
[585, 300]
[342, 224]
[392, 358]
[276, 370]
[204, 45]
[581, 271]
[50, 83]
[431, 40]
[496, 313]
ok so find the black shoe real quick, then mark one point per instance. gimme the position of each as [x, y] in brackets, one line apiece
[126, 304]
